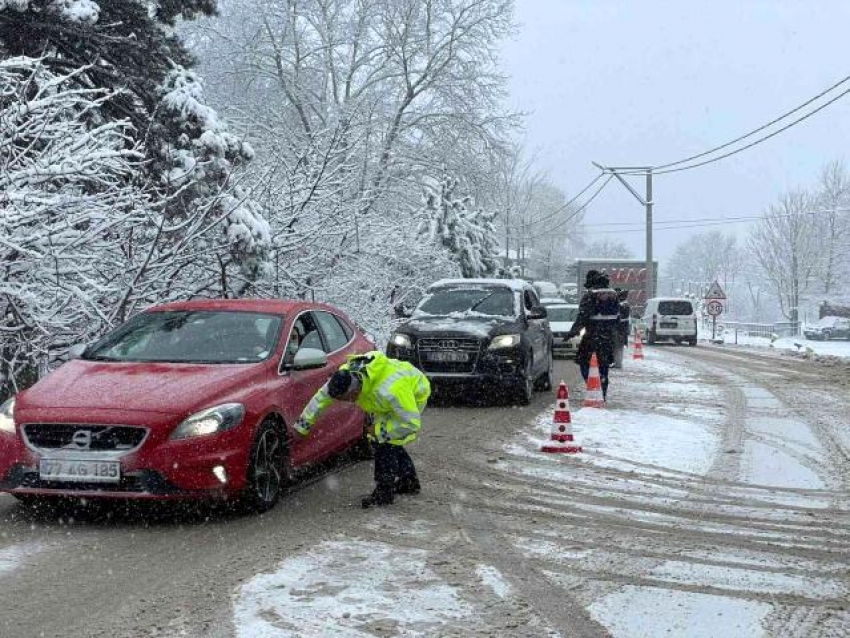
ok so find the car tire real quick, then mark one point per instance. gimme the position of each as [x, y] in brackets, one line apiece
[524, 389]
[826, 335]
[268, 469]
[692, 341]
[547, 379]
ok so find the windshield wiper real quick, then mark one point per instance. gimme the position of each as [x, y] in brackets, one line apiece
[481, 301]
[98, 357]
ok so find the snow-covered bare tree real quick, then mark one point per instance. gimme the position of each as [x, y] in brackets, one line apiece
[832, 219]
[787, 248]
[67, 208]
[705, 257]
[350, 105]
[602, 248]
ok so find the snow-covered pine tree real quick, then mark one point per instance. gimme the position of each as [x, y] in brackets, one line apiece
[468, 236]
[128, 48]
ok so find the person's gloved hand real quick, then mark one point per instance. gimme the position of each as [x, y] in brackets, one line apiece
[302, 427]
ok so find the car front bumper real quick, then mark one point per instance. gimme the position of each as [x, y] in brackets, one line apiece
[504, 367]
[159, 469]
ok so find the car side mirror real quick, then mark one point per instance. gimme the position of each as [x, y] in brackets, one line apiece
[538, 312]
[309, 359]
[401, 312]
[76, 351]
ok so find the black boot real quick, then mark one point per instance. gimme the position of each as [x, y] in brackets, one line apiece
[379, 497]
[408, 486]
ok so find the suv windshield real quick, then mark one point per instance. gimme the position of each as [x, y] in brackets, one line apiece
[675, 308]
[470, 301]
[195, 336]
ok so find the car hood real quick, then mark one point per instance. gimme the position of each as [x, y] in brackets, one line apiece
[475, 326]
[560, 326]
[165, 388]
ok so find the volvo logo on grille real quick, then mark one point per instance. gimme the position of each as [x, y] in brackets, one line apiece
[81, 440]
[448, 344]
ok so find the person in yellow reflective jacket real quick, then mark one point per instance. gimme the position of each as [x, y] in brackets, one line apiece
[393, 393]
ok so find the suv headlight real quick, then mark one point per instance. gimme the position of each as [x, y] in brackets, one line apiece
[210, 421]
[504, 341]
[401, 340]
[7, 420]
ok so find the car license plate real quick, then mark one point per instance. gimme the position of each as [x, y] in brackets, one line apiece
[83, 471]
[668, 325]
[453, 357]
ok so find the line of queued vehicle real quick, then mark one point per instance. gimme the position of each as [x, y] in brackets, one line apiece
[198, 399]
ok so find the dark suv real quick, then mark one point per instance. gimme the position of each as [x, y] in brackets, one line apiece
[491, 332]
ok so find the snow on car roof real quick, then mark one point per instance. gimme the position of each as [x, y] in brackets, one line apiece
[513, 284]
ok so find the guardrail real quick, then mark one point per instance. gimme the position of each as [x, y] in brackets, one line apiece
[766, 330]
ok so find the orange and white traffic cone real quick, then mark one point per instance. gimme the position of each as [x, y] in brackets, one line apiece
[593, 397]
[562, 431]
[637, 346]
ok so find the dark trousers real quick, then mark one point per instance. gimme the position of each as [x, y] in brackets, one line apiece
[392, 464]
[603, 376]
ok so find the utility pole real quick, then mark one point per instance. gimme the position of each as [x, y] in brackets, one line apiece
[647, 203]
[650, 279]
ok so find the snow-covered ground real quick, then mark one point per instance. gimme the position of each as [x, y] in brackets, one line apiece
[793, 344]
[724, 482]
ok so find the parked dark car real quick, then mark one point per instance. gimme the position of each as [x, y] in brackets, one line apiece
[828, 328]
[489, 332]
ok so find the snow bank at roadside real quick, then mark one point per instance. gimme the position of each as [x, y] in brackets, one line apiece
[793, 344]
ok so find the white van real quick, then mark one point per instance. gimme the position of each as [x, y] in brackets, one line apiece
[673, 318]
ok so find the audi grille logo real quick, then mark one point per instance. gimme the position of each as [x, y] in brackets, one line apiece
[81, 439]
[448, 344]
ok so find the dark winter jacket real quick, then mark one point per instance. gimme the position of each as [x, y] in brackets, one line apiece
[625, 314]
[599, 315]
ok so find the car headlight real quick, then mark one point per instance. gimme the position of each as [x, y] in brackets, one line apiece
[210, 421]
[400, 340]
[504, 341]
[581, 332]
[7, 419]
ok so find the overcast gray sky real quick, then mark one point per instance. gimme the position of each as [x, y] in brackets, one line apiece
[648, 82]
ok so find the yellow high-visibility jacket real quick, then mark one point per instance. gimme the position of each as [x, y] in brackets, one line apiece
[394, 393]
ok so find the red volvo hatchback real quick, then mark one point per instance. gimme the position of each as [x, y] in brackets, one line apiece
[185, 400]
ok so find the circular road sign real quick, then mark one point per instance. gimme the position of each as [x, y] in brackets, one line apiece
[714, 308]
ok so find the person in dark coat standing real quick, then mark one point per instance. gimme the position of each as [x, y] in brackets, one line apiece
[622, 332]
[599, 317]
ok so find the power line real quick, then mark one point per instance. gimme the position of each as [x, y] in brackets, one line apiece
[564, 206]
[723, 219]
[579, 210]
[757, 130]
[758, 141]
[742, 148]
[683, 224]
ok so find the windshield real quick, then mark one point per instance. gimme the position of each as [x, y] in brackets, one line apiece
[675, 308]
[482, 301]
[191, 336]
[562, 313]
